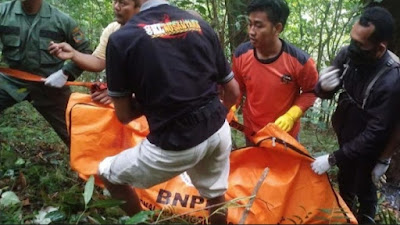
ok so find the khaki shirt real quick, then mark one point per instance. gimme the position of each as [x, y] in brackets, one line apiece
[100, 51]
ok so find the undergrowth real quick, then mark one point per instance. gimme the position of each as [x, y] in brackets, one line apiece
[37, 185]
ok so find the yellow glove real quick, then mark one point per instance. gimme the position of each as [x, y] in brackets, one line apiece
[231, 114]
[287, 120]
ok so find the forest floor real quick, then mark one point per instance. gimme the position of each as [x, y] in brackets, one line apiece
[34, 166]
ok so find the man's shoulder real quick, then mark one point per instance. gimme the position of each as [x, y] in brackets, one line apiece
[113, 26]
[110, 29]
[295, 52]
[394, 57]
[390, 80]
[243, 48]
[128, 34]
[57, 13]
[6, 6]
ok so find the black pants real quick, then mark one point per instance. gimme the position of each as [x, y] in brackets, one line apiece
[51, 103]
[356, 187]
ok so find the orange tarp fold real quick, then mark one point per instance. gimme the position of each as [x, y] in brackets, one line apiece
[96, 133]
[290, 193]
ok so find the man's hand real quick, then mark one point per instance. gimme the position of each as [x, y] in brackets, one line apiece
[62, 50]
[378, 173]
[102, 97]
[287, 120]
[329, 78]
[56, 79]
[321, 164]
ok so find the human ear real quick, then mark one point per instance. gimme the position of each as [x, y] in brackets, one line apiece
[381, 49]
[278, 28]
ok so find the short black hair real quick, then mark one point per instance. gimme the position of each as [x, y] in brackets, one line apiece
[383, 22]
[277, 10]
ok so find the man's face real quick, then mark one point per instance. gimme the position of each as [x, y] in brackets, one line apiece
[124, 10]
[262, 32]
[31, 3]
[361, 49]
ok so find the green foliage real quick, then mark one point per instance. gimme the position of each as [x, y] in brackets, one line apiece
[388, 216]
[10, 214]
[140, 218]
[22, 121]
[91, 15]
[34, 163]
[37, 170]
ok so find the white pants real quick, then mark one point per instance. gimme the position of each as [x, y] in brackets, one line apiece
[146, 165]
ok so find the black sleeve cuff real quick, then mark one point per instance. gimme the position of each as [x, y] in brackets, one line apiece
[339, 156]
[69, 74]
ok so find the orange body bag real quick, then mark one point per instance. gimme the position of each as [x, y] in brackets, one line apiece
[288, 192]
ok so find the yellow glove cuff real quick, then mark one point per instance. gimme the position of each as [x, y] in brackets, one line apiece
[295, 112]
[287, 120]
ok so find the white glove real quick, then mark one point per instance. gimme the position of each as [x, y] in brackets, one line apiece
[378, 174]
[329, 78]
[56, 79]
[321, 164]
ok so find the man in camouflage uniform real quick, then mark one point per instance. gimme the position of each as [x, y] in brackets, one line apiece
[26, 29]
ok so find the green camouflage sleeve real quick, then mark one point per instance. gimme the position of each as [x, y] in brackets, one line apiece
[76, 38]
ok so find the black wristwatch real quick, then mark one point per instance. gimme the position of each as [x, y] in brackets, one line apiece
[332, 159]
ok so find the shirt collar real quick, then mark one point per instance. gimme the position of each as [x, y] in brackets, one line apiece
[153, 3]
[43, 12]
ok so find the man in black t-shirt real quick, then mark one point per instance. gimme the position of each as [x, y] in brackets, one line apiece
[172, 62]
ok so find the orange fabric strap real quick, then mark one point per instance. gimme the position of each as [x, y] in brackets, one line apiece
[33, 77]
[238, 126]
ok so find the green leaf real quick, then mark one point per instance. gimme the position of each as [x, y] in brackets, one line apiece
[97, 219]
[89, 188]
[20, 161]
[9, 198]
[55, 216]
[202, 10]
[22, 90]
[327, 211]
[106, 203]
[141, 217]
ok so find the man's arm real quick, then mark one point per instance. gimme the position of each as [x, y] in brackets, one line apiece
[231, 93]
[394, 140]
[87, 62]
[78, 41]
[383, 115]
[127, 108]
[392, 145]
[239, 79]
[329, 78]
[306, 79]
[91, 62]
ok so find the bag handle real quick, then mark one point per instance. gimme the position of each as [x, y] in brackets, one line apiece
[36, 78]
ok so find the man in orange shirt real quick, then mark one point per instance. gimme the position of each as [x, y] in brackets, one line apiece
[276, 78]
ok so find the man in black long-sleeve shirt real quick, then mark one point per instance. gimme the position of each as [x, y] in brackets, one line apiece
[367, 109]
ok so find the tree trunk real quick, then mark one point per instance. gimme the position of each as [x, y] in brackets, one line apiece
[236, 9]
[393, 6]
